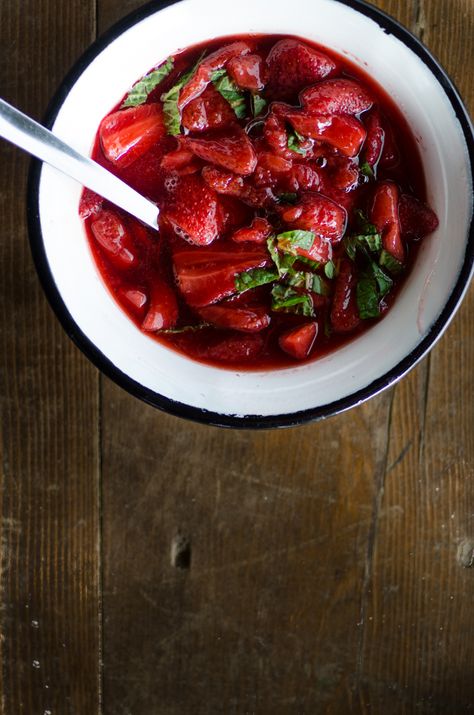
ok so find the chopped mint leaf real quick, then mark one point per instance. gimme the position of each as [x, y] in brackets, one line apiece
[283, 261]
[384, 282]
[318, 284]
[297, 279]
[372, 241]
[330, 270]
[252, 279]
[294, 141]
[286, 299]
[365, 227]
[307, 261]
[288, 197]
[231, 93]
[290, 240]
[389, 262]
[170, 98]
[140, 91]
[366, 170]
[257, 104]
[367, 298]
[351, 247]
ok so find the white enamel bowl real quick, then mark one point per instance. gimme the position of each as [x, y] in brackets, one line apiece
[368, 364]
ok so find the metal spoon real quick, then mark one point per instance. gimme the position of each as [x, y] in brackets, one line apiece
[23, 131]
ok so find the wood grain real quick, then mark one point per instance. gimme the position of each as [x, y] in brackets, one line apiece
[49, 430]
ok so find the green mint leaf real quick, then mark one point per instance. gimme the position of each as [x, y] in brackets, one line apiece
[283, 261]
[172, 115]
[370, 241]
[330, 270]
[185, 329]
[384, 282]
[231, 93]
[390, 263]
[365, 227]
[318, 284]
[351, 247]
[366, 170]
[293, 142]
[140, 91]
[252, 279]
[287, 300]
[289, 241]
[314, 265]
[257, 104]
[297, 279]
[288, 198]
[367, 298]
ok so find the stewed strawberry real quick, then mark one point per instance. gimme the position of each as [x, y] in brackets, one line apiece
[295, 166]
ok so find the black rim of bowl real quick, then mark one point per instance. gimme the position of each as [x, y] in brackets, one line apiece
[391, 26]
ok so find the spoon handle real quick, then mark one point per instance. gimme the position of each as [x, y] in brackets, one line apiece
[23, 131]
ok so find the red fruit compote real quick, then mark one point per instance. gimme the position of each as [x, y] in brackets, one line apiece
[291, 196]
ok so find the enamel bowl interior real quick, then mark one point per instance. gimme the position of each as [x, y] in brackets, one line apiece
[344, 378]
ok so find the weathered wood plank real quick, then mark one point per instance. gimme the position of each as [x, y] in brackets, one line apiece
[49, 604]
[417, 654]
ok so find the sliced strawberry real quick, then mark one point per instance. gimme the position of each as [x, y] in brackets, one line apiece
[341, 173]
[336, 96]
[375, 138]
[90, 203]
[258, 232]
[114, 237]
[129, 133]
[215, 61]
[344, 311]
[276, 136]
[318, 214]
[227, 183]
[209, 111]
[390, 157]
[293, 65]
[248, 72]
[303, 177]
[163, 309]
[191, 207]
[234, 349]
[245, 320]
[384, 214]
[344, 133]
[133, 299]
[417, 220]
[298, 342]
[180, 160]
[206, 276]
[232, 151]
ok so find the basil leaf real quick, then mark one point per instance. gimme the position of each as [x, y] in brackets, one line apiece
[350, 244]
[231, 93]
[367, 298]
[365, 226]
[257, 104]
[287, 300]
[307, 261]
[140, 91]
[298, 279]
[293, 142]
[389, 262]
[318, 284]
[172, 115]
[384, 282]
[290, 240]
[252, 279]
[366, 170]
[330, 270]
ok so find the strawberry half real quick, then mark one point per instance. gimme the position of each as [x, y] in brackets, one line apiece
[417, 220]
[113, 236]
[336, 96]
[318, 214]
[248, 72]
[163, 308]
[344, 311]
[344, 133]
[90, 203]
[209, 111]
[206, 276]
[298, 342]
[245, 320]
[258, 232]
[293, 65]
[191, 207]
[384, 214]
[231, 151]
[375, 138]
[129, 133]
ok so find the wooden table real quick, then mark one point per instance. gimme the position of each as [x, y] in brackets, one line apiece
[157, 567]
